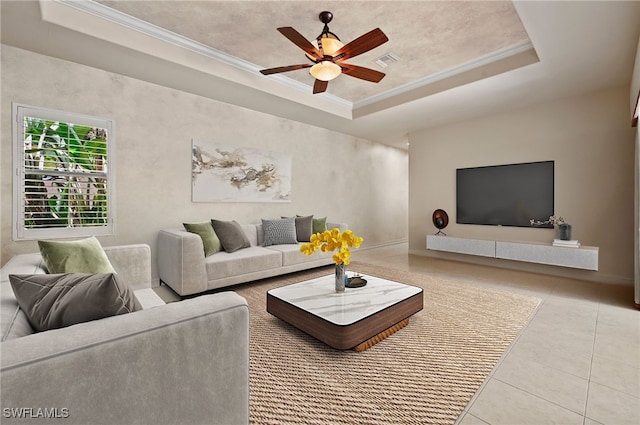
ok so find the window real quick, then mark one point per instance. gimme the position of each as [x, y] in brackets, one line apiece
[64, 174]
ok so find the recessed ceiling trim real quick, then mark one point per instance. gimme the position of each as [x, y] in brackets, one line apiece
[113, 15]
[106, 13]
[278, 85]
[496, 56]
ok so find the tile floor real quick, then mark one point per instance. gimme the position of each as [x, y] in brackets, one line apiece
[576, 362]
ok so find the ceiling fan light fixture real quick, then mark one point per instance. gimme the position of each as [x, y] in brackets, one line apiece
[329, 44]
[329, 53]
[325, 71]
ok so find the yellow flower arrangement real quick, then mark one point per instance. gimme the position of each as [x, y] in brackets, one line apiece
[332, 240]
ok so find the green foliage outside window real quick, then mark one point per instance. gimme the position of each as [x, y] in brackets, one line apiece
[65, 174]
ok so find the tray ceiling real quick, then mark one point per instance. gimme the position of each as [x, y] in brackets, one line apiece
[458, 60]
[429, 39]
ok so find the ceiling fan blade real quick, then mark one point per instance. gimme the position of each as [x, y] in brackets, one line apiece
[362, 72]
[362, 44]
[284, 69]
[319, 86]
[298, 39]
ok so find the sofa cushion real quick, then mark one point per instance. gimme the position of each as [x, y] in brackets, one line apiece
[14, 323]
[291, 255]
[52, 301]
[148, 298]
[251, 232]
[210, 240]
[279, 231]
[248, 260]
[231, 235]
[79, 256]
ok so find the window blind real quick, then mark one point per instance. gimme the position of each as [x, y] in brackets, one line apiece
[64, 169]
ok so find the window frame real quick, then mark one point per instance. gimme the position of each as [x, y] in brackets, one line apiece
[20, 232]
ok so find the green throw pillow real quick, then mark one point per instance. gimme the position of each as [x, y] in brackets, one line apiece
[80, 256]
[209, 238]
[319, 224]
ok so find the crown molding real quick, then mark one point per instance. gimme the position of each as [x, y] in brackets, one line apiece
[490, 58]
[108, 14]
[284, 87]
[147, 28]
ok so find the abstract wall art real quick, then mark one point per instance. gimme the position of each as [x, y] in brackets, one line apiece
[227, 173]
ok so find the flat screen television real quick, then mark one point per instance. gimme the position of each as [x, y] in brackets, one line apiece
[505, 195]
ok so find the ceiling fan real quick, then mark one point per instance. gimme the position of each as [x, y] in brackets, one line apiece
[327, 59]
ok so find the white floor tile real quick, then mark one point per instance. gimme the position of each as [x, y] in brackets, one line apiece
[555, 352]
[525, 373]
[609, 406]
[581, 348]
[469, 419]
[617, 343]
[502, 404]
[616, 375]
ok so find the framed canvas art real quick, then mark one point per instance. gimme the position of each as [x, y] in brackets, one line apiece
[227, 173]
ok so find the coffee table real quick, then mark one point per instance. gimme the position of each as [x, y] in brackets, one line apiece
[355, 319]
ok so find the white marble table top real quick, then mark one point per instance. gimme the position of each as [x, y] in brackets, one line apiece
[318, 297]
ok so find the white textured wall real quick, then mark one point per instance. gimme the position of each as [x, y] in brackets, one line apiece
[592, 144]
[335, 175]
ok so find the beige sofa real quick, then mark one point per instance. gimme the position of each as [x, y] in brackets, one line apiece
[181, 363]
[183, 266]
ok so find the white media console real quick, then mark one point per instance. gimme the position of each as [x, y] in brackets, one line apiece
[584, 257]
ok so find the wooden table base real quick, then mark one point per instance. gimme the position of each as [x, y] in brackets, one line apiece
[382, 335]
[341, 337]
[354, 320]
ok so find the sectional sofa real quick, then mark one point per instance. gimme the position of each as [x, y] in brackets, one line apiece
[184, 266]
[182, 363]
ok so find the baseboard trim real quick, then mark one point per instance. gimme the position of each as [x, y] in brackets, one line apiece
[384, 244]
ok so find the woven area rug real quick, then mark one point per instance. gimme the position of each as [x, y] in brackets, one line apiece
[425, 373]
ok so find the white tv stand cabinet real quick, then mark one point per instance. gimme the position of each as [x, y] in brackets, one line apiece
[584, 257]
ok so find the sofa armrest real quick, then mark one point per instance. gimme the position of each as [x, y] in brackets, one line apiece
[181, 261]
[132, 263]
[186, 362]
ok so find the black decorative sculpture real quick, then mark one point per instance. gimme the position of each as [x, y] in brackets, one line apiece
[440, 220]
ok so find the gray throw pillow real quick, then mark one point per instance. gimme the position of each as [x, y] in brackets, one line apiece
[231, 235]
[52, 301]
[304, 228]
[279, 231]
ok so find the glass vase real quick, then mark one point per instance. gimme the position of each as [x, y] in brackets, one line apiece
[340, 277]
